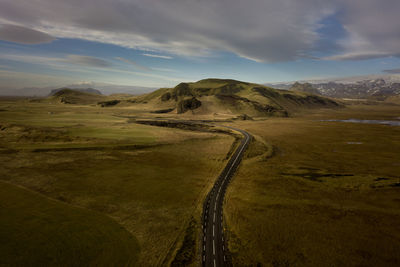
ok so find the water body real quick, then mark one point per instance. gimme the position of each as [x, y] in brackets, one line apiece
[384, 122]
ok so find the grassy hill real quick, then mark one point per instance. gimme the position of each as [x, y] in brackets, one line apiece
[212, 96]
[37, 231]
[84, 90]
[69, 96]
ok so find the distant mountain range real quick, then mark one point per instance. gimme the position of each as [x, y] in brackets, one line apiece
[379, 88]
[103, 88]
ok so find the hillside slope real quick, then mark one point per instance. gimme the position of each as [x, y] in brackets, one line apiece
[38, 231]
[69, 96]
[84, 90]
[223, 96]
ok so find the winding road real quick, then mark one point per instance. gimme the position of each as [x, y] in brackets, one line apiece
[214, 249]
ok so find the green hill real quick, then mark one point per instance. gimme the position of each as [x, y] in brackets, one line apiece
[37, 231]
[70, 96]
[212, 96]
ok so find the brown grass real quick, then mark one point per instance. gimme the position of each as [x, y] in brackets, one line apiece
[319, 200]
[152, 191]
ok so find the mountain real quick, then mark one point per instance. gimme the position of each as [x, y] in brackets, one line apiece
[104, 88]
[305, 87]
[224, 96]
[70, 96]
[377, 87]
[84, 90]
[107, 88]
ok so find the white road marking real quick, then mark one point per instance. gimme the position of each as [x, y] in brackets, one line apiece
[221, 188]
[214, 247]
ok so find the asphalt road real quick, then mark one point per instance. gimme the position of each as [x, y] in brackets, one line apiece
[214, 249]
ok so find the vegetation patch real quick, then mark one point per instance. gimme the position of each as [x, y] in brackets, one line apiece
[187, 252]
[108, 103]
[317, 177]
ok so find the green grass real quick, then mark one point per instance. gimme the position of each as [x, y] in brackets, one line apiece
[145, 190]
[319, 201]
[37, 231]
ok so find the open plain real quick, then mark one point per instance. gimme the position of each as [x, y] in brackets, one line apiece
[310, 191]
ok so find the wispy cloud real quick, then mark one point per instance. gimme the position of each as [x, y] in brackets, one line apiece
[59, 61]
[136, 65]
[88, 65]
[272, 31]
[165, 69]
[392, 71]
[157, 56]
[23, 35]
[358, 56]
[88, 61]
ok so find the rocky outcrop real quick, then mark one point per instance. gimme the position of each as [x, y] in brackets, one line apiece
[187, 104]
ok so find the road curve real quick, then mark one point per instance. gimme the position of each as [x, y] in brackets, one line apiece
[214, 249]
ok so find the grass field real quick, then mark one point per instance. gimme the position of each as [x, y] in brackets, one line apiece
[328, 196]
[152, 191]
[310, 192]
[38, 231]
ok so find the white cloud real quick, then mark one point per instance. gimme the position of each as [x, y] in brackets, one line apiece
[88, 64]
[260, 30]
[358, 56]
[88, 61]
[157, 56]
[135, 64]
[373, 28]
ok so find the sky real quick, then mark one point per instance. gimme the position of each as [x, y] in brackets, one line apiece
[160, 43]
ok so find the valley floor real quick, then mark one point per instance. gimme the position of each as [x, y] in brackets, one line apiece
[146, 180]
[329, 195]
[309, 192]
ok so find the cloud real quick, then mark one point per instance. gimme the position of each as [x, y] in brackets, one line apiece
[19, 34]
[373, 29]
[358, 56]
[157, 56]
[131, 62]
[392, 71]
[88, 61]
[260, 30]
[69, 62]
